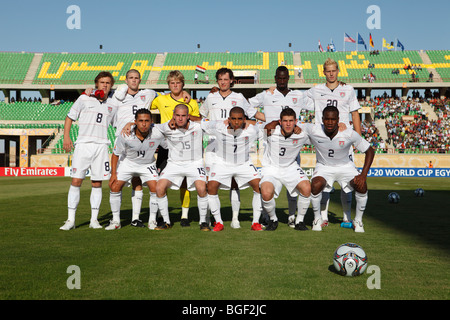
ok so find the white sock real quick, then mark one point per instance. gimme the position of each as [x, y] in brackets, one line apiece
[269, 206]
[214, 205]
[315, 201]
[202, 204]
[257, 207]
[361, 202]
[292, 203]
[324, 205]
[184, 213]
[235, 198]
[96, 200]
[303, 205]
[73, 198]
[115, 200]
[346, 201]
[136, 202]
[153, 207]
[163, 205]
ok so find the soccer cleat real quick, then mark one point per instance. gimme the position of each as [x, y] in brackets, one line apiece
[324, 223]
[256, 227]
[113, 225]
[68, 225]
[235, 224]
[95, 225]
[185, 222]
[164, 226]
[204, 226]
[301, 226]
[358, 226]
[137, 223]
[317, 225]
[152, 225]
[291, 221]
[218, 227]
[272, 226]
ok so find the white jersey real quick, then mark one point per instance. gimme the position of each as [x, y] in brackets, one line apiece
[129, 106]
[215, 107]
[281, 151]
[94, 117]
[136, 151]
[342, 97]
[334, 152]
[273, 104]
[232, 146]
[184, 145]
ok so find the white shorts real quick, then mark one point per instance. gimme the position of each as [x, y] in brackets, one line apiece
[92, 156]
[176, 173]
[342, 175]
[127, 170]
[289, 176]
[242, 174]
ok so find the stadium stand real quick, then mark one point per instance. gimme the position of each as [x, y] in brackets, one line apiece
[14, 66]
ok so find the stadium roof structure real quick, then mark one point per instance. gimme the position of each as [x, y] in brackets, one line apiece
[76, 71]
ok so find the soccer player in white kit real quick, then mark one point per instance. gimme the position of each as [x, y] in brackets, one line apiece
[333, 164]
[185, 144]
[94, 115]
[137, 154]
[279, 167]
[342, 96]
[272, 102]
[233, 161]
[217, 106]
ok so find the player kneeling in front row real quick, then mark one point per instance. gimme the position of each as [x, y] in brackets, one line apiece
[137, 160]
[333, 164]
[233, 144]
[185, 144]
[279, 167]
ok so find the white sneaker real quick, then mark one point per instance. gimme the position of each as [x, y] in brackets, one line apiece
[68, 225]
[317, 225]
[113, 225]
[235, 224]
[95, 225]
[358, 226]
[152, 225]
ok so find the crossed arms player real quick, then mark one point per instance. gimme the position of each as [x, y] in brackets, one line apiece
[94, 115]
[233, 161]
[137, 153]
[334, 164]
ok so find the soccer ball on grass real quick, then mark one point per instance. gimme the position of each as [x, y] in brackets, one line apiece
[419, 192]
[350, 260]
[393, 197]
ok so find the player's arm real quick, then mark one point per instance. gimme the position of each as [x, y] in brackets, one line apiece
[114, 161]
[271, 126]
[360, 180]
[356, 121]
[67, 142]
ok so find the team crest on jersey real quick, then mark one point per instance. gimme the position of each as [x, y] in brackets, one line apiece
[295, 141]
[109, 109]
[342, 94]
[143, 98]
[294, 100]
[234, 103]
[213, 174]
[341, 143]
[152, 143]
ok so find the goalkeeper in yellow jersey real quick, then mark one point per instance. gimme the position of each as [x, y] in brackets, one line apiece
[166, 104]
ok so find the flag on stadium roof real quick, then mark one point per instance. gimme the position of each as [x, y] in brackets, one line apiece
[347, 38]
[387, 45]
[400, 45]
[332, 46]
[200, 69]
[361, 41]
[320, 47]
[371, 40]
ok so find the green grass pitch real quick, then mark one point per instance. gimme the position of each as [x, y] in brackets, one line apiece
[409, 242]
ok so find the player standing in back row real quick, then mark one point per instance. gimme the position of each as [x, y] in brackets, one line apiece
[94, 115]
[216, 107]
